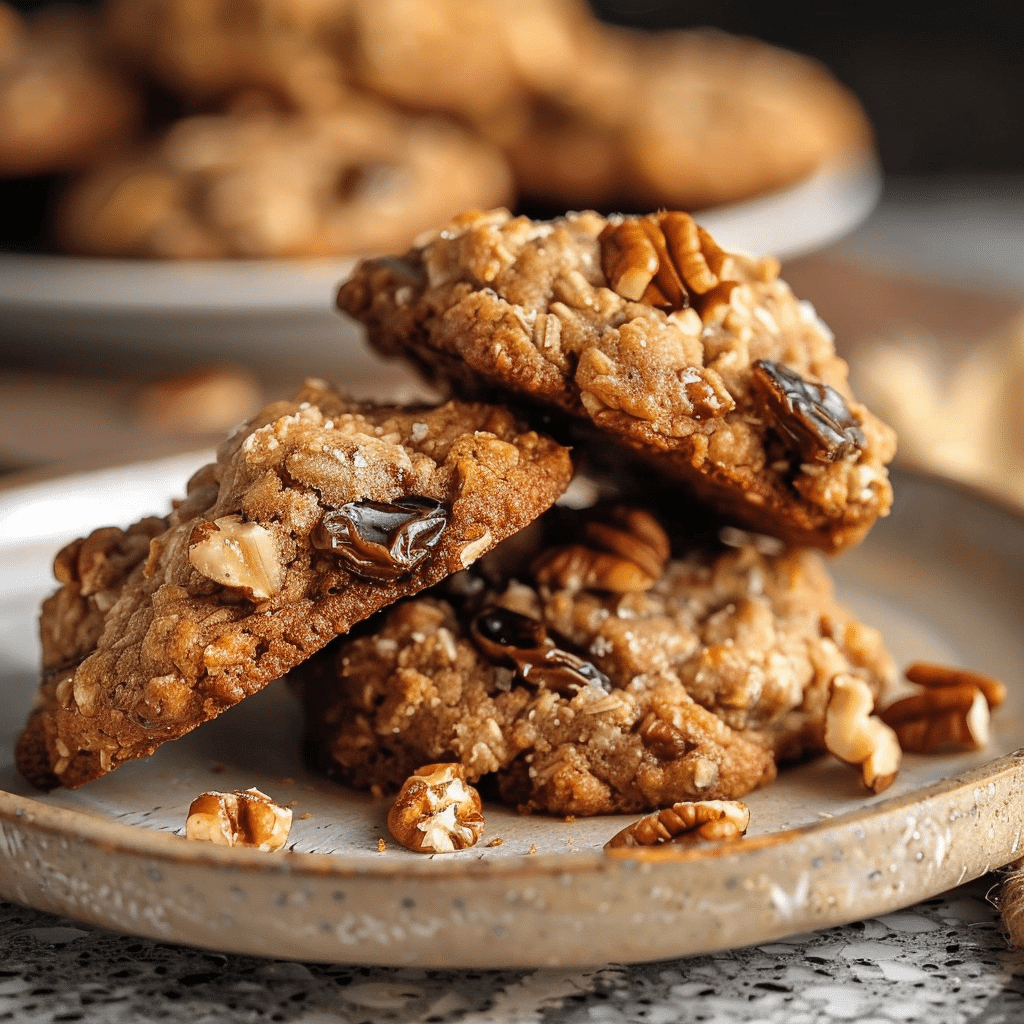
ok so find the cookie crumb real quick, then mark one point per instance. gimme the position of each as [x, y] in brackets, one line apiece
[533, 848]
[496, 841]
[381, 846]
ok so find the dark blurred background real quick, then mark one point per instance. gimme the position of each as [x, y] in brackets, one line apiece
[942, 82]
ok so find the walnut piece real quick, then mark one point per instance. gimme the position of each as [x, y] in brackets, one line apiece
[245, 817]
[940, 718]
[237, 554]
[437, 811]
[686, 822]
[663, 259]
[857, 736]
[624, 555]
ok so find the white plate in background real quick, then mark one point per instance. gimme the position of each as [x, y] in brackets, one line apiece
[267, 312]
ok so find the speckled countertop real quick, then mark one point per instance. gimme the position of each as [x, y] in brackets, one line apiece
[944, 961]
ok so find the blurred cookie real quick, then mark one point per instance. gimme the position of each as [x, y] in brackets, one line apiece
[598, 683]
[357, 180]
[206, 50]
[61, 102]
[683, 120]
[644, 333]
[317, 513]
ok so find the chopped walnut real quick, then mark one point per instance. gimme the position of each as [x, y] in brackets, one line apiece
[237, 554]
[242, 818]
[686, 822]
[857, 736]
[625, 555]
[436, 811]
[940, 718]
[664, 259]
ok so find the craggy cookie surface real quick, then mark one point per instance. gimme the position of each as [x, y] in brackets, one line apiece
[584, 693]
[316, 514]
[702, 361]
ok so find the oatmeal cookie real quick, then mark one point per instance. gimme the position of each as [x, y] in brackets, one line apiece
[582, 697]
[683, 120]
[316, 514]
[62, 103]
[266, 184]
[643, 330]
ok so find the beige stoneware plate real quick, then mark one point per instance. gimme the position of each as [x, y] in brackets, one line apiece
[943, 578]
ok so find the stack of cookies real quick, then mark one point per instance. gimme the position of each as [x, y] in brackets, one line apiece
[288, 128]
[592, 576]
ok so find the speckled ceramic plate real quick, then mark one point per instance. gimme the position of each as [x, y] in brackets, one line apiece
[262, 311]
[943, 578]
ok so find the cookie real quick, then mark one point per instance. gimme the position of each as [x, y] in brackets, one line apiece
[356, 180]
[316, 514]
[206, 52]
[588, 687]
[682, 120]
[645, 333]
[62, 103]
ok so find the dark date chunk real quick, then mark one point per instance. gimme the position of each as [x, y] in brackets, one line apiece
[814, 416]
[383, 540]
[510, 638]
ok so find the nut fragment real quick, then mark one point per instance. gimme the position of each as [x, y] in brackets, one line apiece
[814, 416]
[237, 554]
[509, 637]
[857, 736]
[436, 811]
[245, 817]
[940, 718]
[383, 540]
[623, 553]
[927, 674]
[686, 822]
[664, 259]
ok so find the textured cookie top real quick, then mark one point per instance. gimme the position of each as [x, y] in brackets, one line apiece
[703, 361]
[316, 514]
[588, 688]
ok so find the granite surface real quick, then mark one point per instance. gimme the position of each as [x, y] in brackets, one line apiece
[944, 961]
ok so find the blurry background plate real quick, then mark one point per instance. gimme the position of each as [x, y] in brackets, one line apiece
[273, 313]
[943, 578]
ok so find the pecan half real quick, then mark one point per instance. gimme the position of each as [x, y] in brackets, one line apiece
[686, 822]
[936, 676]
[624, 553]
[663, 259]
[940, 718]
[437, 811]
[814, 416]
[383, 540]
[508, 637]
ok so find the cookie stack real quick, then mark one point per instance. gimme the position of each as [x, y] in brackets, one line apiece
[287, 128]
[592, 577]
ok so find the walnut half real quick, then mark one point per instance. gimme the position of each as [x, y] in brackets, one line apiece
[857, 736]
[245, 817]
[437, 811]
